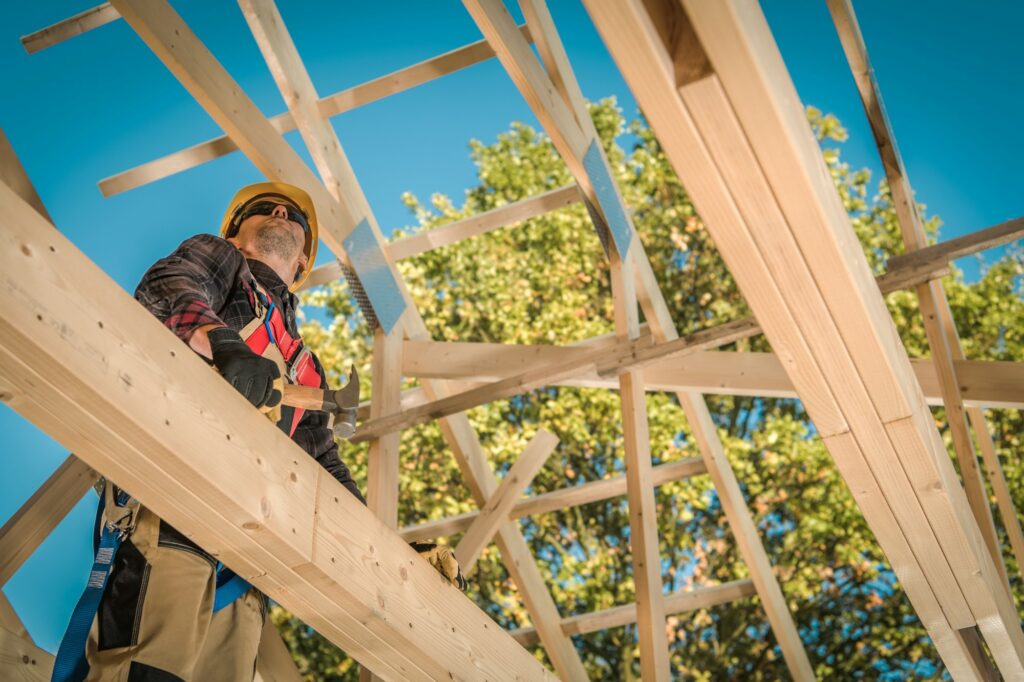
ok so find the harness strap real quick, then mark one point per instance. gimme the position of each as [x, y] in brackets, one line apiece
[70, 664]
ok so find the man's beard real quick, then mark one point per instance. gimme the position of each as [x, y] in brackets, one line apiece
[273, 238]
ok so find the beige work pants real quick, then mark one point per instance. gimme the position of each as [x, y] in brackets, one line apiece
[156, 622]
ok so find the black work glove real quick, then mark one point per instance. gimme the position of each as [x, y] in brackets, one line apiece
[253, 376]
[443, 560]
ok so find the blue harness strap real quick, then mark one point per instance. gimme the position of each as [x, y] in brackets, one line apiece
[71, 665]
[229, 587]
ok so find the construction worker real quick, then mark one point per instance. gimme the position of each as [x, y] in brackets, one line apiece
[167, 611]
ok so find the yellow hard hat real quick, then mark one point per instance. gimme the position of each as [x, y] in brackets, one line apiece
[275, 190]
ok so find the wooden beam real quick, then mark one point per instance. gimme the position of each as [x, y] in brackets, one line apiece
[729, 136]
[625, 355]
[273, 660]
[703, 597]
[519, 63]
[564, 498]
[70, 27]
[495, 513]
[331, 105]
[23, 661]
[36, 519]
[949, 250]
[382, 476]
[9, 619]
[261, 506]
[482, 223]
[983, 383]
[458, 433]
[938, 318]
[13, 174]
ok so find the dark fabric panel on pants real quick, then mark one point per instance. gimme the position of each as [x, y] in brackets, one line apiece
[140, 672]
[121, 605]
[171, 537]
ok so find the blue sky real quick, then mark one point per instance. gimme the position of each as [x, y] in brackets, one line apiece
[953, 82]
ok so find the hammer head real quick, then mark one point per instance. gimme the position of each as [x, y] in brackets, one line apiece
[346, 402]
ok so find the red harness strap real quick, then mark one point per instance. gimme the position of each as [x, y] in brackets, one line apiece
[301, 368]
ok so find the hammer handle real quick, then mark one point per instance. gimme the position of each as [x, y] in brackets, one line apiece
[306, 397]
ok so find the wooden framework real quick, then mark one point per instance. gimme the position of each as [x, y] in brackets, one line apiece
[714, 88]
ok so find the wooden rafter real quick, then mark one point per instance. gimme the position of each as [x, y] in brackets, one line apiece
[938, 318]
[730, 134]
[262, 506]
[298, 91]
[36, 519]
[69, 28]
[331, 105]
[563, 114]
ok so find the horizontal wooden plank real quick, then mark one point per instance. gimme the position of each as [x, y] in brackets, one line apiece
[703, 597]
[625, 355]
[330, 105]
[23, 661]
[585, 493]
[984, 383]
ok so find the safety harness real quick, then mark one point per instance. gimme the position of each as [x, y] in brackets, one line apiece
[267, 335]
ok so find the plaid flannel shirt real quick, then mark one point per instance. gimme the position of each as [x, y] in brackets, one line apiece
[201, 283]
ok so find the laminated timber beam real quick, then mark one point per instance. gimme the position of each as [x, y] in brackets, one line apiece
[556, 100]
[331, 105]
[78, 357]
[729, 119]
[938, 317]
[256, 137]
[983, 383]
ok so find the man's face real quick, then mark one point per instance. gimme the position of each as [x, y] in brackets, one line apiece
[274, 240]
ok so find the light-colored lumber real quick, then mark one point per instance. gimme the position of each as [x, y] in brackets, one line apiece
[924, 258]
[222, 98]
[625, 355]
[938, 319]
[36, 519]
[881, 454]
[331, 105]
[564, 498]
[9, 619]
[273, 661]
[70, 27]
[382, 476]
[13, 174]
[261, 505]
[683, 601]
[482, 223]
[521, 67]
[23, 661]
[493, 514]
[983, 383]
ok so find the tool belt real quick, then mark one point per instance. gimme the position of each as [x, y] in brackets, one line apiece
[267, 335]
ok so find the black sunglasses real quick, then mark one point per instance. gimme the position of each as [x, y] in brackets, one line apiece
[267, 208]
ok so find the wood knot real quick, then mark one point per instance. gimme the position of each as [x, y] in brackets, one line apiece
[250, 525]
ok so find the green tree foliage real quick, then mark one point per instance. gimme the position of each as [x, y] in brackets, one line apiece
[546, 282]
